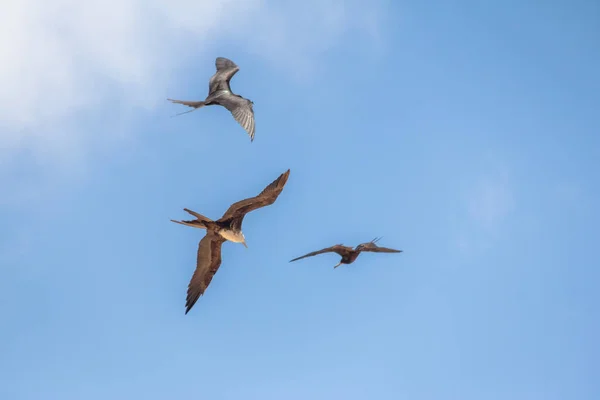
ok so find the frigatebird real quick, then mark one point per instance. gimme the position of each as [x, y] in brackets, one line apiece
[228, 227]
[349, 254]
[219, 93]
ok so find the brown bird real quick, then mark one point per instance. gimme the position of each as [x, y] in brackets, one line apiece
[219, 92]
[349, 254]
[228, 227]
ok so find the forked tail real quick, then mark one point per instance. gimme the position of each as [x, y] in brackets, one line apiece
[200, 222]
[194, 104]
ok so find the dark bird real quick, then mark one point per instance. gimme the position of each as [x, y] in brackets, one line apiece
[219, 92]
[228, 227]
[349, 254]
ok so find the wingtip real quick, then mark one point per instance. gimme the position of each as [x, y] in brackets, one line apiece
[285, 176]
[282, 179]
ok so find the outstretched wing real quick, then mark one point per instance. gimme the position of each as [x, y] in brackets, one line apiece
[226, 69]
[343, 251]
[242, 111]
[207, 264]
[370, 246]
[238, 210]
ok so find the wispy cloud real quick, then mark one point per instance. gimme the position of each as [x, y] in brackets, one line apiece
[488, 203]
[65, 57]
[68, 64]
[491, 200]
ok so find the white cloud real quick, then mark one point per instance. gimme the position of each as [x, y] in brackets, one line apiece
[62, 59]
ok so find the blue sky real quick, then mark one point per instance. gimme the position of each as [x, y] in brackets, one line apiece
[464, 134]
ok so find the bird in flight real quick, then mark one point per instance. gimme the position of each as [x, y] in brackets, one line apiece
[219, 93]
[349, 254]
[228, 227]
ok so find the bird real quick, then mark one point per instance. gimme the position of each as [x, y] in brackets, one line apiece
[219, 93]
[228, 227]
[349, 254]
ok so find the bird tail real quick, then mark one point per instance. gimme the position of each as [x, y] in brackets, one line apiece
[194, 104]
[200, 222]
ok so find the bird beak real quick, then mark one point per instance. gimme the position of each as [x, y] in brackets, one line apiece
[244, 243]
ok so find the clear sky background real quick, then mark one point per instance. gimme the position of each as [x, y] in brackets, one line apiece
[465, 134]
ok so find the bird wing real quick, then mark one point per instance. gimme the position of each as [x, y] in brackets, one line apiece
[241, 109]
[370, 246]
[207, 264]
[238, 210]
[226, 69]
[338, 248]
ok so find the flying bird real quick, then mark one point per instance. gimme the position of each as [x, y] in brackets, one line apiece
[219, 93]
[228, 227]
[349, 254]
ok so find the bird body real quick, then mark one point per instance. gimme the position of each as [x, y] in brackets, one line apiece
[226, 228]
[222, 229]
[232, 235]
[219, 93]
[349, 254]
